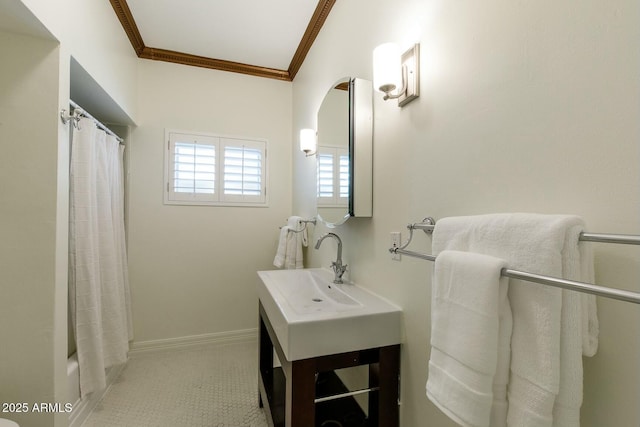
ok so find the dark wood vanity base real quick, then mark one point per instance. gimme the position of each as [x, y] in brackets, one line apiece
[288, 393]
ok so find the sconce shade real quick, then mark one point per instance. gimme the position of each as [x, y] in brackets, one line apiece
[308, 141]
[387, 69]
[397, 75]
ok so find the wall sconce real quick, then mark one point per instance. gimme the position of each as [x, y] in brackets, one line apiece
[308, 141]
[395, 72]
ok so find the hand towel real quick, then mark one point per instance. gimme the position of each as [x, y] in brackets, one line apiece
[292, 237]
[470, 333]
[542, 244]
[278, 261]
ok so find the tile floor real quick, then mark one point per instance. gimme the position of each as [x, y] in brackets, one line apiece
[213, 386]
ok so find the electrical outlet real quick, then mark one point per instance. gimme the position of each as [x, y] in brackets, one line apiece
[396, 238]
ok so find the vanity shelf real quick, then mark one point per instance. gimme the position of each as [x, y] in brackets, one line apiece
[289, 393]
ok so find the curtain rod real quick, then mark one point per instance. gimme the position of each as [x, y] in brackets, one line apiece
[79, 111]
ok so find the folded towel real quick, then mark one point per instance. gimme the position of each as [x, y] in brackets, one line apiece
[544, 363]
[470, 333]
[292, 237]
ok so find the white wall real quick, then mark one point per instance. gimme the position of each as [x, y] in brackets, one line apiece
[192, 268]
[29, 322]
[524, 107]
[91, 32]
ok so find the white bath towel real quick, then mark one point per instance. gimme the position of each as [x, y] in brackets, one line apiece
[544, 353]
[470, 333]
[292, 237]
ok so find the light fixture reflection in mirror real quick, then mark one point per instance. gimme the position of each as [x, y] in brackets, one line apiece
[397, 75]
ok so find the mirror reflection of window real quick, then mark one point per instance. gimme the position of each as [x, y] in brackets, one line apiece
[333, 176]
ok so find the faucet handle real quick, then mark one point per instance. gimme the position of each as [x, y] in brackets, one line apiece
[338, 271]
[338, 267]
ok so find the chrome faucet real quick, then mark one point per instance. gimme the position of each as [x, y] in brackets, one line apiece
[338, 268]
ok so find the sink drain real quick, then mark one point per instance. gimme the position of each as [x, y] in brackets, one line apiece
[316, 300]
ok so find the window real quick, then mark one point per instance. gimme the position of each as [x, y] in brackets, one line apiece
[333, 176]
[206, 169]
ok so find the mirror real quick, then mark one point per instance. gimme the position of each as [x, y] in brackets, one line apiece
[344, 175]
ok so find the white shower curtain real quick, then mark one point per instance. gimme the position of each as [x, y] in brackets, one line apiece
[99, 298]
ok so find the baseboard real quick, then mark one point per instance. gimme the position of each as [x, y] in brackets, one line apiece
[219, 338]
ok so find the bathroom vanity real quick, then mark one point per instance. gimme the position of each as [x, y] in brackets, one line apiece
[316, 327]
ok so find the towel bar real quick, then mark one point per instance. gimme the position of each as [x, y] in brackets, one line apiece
[341, 395]
[304, 223]
[428, 224]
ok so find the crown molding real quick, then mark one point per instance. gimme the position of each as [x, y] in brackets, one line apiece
[215, 64]
[121, 8]
[313, 29]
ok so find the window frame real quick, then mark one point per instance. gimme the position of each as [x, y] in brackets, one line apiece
[218, 198]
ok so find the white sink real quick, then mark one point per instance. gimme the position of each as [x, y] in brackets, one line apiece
[308, 291]
[312, 316]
